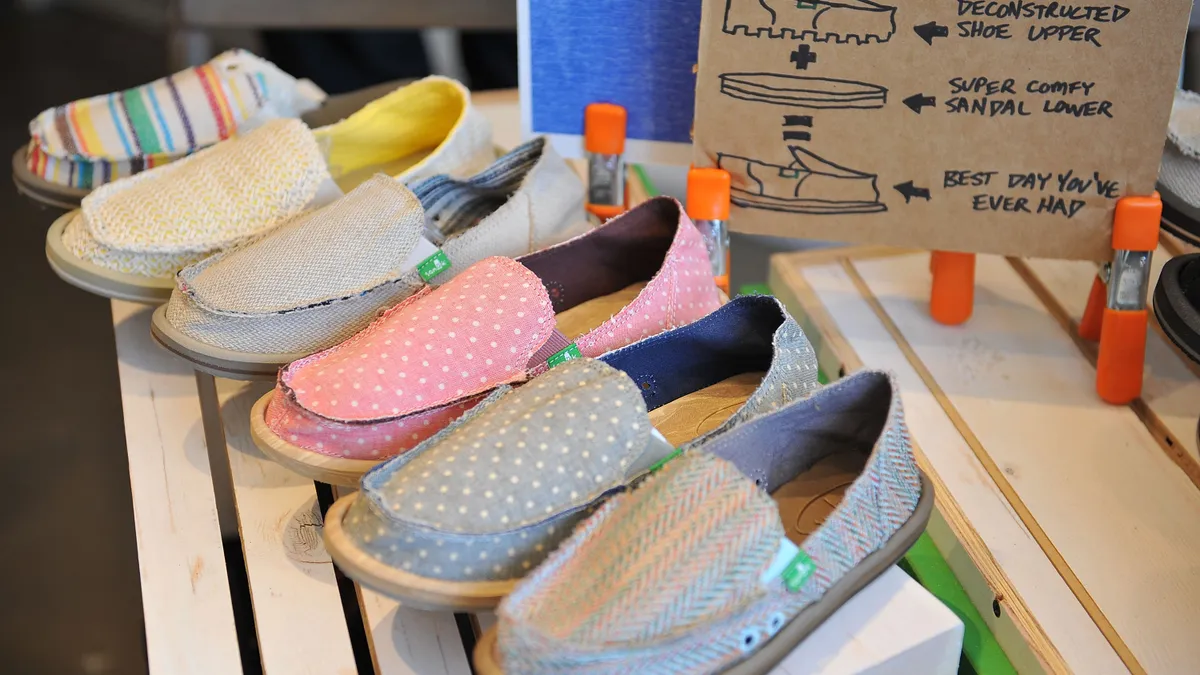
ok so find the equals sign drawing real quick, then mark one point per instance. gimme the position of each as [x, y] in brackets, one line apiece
[797, 121]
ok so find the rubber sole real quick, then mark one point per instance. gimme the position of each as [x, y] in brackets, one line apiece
[100, 280]
[766, 657]
[411, 590]
[215, 361]
[313, 465]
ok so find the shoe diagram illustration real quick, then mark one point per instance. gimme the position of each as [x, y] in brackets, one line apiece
[797, 178]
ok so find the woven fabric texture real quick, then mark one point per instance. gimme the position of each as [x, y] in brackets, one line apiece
[1179, 171]
[512, 230]
[312, 254]
[94, 141]
[193, 205]
[668, 578]
[80, 242]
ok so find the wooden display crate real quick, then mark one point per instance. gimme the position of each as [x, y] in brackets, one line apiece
[1073, 525]
[202, 490]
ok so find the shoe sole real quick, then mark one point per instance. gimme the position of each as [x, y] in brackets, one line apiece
[1178, 318]
[312, 465]
[99, 280]
[411, 590]
[798, 629]
[749, 201]
[216, 361]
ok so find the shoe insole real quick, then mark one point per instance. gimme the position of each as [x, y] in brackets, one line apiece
[698, 413]
[587, 316]
[351, 179]
[810, 498]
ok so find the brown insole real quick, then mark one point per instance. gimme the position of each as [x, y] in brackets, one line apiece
[700, 412]
[810, 498]
[587, 316]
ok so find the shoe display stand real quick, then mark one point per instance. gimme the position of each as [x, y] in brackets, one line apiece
[1072, 524]
[201, 489]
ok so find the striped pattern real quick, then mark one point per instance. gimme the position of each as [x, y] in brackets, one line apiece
[666, 579]
[455, 205]
[90, 142]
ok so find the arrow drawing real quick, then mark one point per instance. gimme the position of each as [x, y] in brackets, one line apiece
[919, 101]
[911, 191]
[930, 30]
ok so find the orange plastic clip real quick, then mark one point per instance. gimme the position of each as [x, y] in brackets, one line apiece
[708, 207]
[604, 140]
[1122, 355]
[1093, 313]
[952, 297]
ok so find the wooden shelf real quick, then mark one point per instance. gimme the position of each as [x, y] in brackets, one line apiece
[1071, 523]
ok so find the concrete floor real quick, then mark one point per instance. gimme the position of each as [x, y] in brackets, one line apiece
[70, 599]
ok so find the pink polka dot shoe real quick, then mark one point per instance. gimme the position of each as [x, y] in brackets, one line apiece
[337, 413]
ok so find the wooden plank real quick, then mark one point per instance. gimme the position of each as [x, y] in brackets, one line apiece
[407, 641]
[292, 584]
[1085, 471]
[1170, 390]
[185, 591]
[1041, 625]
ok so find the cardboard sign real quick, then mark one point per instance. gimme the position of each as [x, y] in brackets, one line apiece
[960, 125]
[638, 54]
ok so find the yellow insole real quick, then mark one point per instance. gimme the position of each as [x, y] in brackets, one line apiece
[351, 179]
[587, 316]
[810, 498]
[698, 413]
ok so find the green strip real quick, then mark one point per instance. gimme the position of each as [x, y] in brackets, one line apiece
[644, 179]
[925, 564]
[660, 463]
[143, 126]
[754, 289]
[85, 174]
[568, 353]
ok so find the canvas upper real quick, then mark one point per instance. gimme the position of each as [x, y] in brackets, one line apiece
[323, 276]
[493, 324]
[490, 496]
[679, 575]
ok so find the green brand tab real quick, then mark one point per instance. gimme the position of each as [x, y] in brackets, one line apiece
[568, 353]
[663, 462]
[797, 572]
[433, 265]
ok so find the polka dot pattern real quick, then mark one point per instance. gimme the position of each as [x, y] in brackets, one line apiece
[463, 338]
[504, 484]
[681, 292]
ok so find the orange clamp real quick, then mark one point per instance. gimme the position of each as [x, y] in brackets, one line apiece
[1122, 355]
[604, 128]
[952, 297]
[708, 194]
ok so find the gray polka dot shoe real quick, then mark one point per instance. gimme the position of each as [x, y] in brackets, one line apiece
[457, 521]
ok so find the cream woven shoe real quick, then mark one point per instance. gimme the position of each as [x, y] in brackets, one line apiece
[131, 236]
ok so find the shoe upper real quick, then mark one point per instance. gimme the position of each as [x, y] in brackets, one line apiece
[493, 324]
[162, 219]
[94, 141]
[314, 281]
[1179, 173]
[689, 572]
[491, 495]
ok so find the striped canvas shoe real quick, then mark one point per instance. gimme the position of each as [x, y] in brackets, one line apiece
[324, 276]
[79, 146]
[734, 552]
[457, 521]
[131, 236]
[422, 363]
